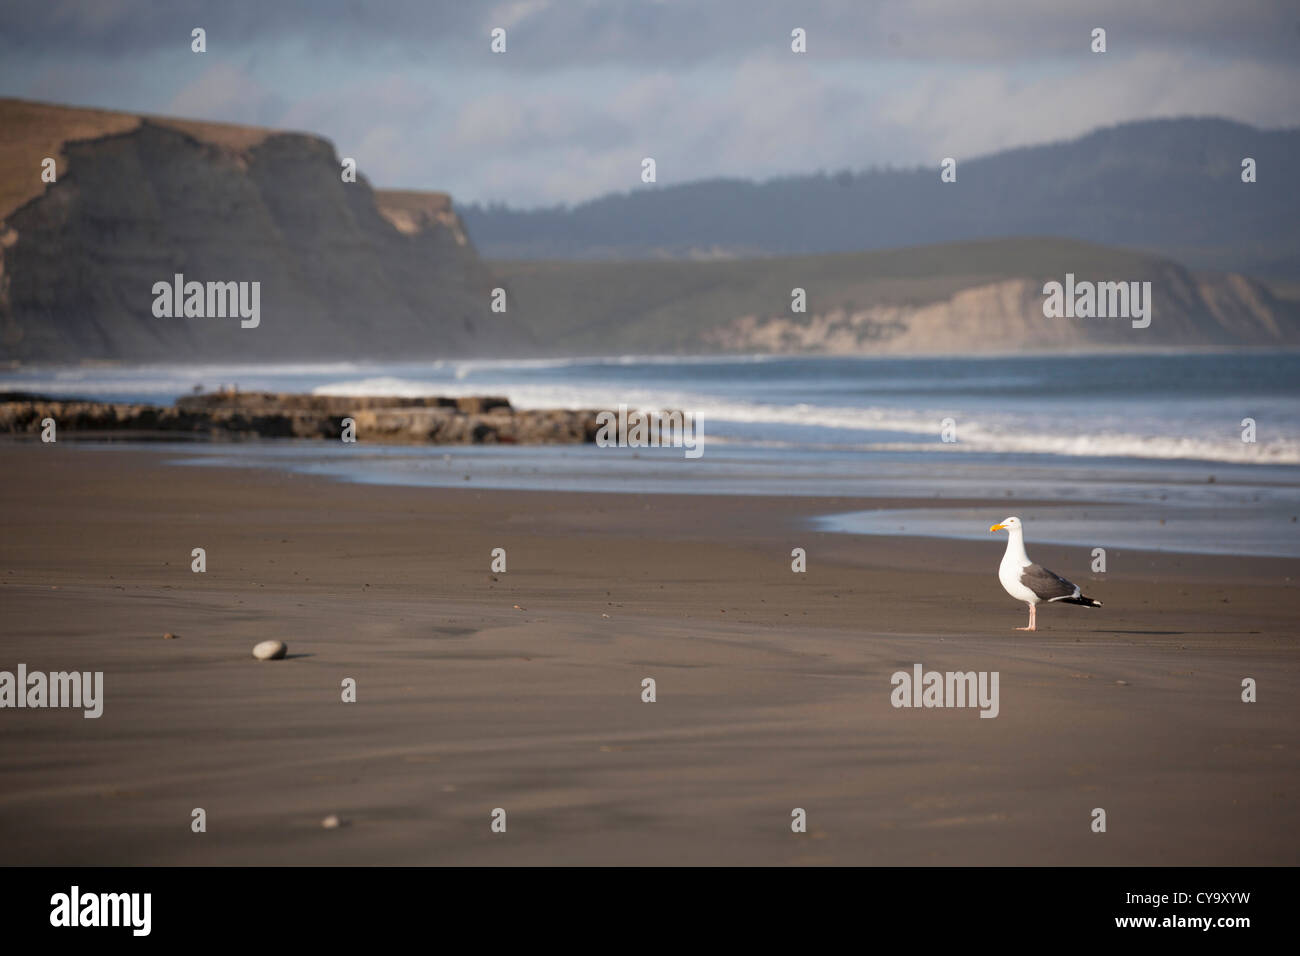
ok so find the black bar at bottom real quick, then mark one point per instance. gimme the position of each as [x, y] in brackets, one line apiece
[328, 904]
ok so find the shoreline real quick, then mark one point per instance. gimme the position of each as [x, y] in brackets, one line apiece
[1102, 514]
[522, 689]
[1252, 513]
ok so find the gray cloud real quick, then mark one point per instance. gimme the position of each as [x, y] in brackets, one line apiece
[708, 89]
[562, 34]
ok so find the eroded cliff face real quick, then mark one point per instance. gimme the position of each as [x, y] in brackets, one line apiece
[1007, 316]
[342, 273]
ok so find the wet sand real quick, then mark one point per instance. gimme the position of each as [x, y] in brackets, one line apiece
[522, 690]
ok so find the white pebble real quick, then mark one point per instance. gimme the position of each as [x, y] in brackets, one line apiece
[270, 650]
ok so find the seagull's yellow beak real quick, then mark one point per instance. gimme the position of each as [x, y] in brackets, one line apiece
[997, 527]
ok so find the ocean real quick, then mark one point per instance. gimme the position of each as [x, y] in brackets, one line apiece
[1147, 449]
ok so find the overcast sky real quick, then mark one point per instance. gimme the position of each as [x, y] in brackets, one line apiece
[706, 87]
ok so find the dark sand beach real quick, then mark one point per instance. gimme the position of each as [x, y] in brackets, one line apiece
[523, 690]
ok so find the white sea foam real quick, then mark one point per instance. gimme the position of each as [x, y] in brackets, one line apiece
[983, 432]
[898, 414]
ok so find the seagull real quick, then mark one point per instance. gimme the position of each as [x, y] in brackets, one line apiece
[1029, 582]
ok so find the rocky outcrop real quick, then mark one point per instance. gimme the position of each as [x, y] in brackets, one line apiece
[954, 298]
[342, 272]
[1008, 316]
[235, 415]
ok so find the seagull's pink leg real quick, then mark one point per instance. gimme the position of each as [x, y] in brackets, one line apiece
[1032, 615]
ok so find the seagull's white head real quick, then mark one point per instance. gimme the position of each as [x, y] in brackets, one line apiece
[1007, 524]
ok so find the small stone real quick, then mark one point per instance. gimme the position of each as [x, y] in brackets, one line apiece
[331, 822]
[169, 636]
[1122, 683]
[270, 650]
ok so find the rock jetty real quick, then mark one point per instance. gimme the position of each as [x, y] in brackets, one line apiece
[232, 415]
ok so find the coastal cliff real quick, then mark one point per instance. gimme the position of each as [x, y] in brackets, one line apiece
[957, 298]
[343, 271]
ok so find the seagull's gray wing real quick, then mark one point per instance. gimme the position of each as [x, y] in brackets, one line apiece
[1048, 585]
